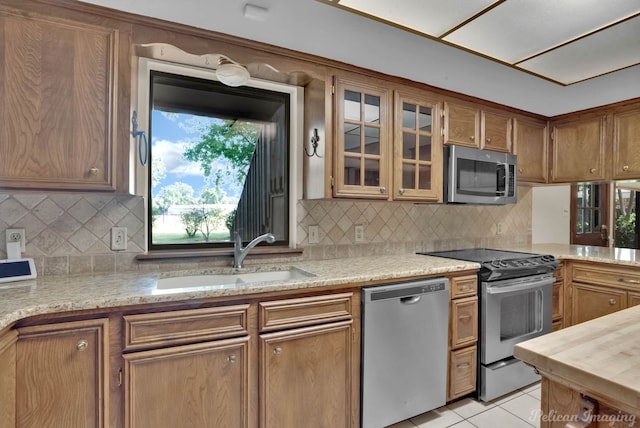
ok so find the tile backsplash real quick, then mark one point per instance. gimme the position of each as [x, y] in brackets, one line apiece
[71, 233]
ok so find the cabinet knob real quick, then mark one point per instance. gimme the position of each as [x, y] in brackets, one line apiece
[488, 140]
[625, 168]
[231, 359]
[401, 191]
[592, 170]
[383, 189]
[520, 170]
[82, 345]
[93, 171]
[277, 350]
[472, 138]
[612, 302]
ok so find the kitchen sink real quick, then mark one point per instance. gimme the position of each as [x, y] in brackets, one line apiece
[231, 278]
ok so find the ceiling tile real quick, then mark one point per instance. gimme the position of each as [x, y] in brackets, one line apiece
[431, 17]
[518, 29]
[608, 50]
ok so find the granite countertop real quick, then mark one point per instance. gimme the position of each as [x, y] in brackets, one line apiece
[55, 294]
[600, 357]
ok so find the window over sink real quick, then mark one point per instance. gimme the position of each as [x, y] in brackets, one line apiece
[220, 159]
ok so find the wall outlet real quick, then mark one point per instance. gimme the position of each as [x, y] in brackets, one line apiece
[118, 238]
[359, 232]
[314, 237]
[16, 235]
[499, 228]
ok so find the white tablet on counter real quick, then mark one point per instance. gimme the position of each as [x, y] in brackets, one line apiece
[17, 270]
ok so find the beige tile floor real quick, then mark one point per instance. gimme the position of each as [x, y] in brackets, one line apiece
[515, 410]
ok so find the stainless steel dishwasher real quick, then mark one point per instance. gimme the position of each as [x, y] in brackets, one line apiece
[404, 350]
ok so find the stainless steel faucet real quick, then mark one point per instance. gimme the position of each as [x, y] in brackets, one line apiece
[240, 253]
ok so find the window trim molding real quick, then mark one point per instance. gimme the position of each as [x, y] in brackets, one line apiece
[139, 181]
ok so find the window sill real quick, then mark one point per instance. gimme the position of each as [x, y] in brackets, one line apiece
[221, 252]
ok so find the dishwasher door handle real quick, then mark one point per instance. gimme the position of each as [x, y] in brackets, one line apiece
[410, 300]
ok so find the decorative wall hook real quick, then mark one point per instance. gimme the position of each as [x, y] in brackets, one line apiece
[314, 144]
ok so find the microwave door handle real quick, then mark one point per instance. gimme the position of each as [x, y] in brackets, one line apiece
[505, 192]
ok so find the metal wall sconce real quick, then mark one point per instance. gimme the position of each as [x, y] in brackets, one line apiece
[314, 145]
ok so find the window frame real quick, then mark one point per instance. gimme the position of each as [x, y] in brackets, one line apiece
[139, 183]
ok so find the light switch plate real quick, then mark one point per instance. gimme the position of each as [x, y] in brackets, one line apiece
[118, 238]
[313, 235]
[359, 231]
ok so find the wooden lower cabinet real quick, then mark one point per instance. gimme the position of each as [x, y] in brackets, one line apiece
[8, 379]
[590, 301]
[203, 385]
[306, 377]
[61, 375]
[462, 371]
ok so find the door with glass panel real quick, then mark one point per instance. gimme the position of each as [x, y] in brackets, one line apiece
[590, 214]
[417, 148]
[362, 140]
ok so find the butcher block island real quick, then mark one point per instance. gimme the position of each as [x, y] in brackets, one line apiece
[591, 369]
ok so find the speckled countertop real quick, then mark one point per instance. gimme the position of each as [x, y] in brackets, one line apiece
[55, 294]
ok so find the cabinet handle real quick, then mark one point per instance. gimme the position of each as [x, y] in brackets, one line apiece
[520, 170]
[463, 366]
[625, 168]
[629, 281]
[472, 138]
[231, 359]
[277, 350]
[488, 140]
[592, 170]
[464, 317]
[612, 302]
[401, 191]
[93, 171]
[82, 345]
[383, 189]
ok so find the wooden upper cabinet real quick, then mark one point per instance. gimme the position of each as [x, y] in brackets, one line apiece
[468, 125]
[531, 146]
[363, 126]
[626, 140]
[462, 124]
[579, 152]
[417, 154]
[57, 103]
[497, 131]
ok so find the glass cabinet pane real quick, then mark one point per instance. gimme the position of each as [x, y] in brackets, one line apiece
[408, 145]
[352, 138]
[371, 140]
[408, 176]
[424, 177]
[352, 171]
[371, 108]
[408, 116]
[425, 148]
[352, 105]
[425, 119]
[371, 172]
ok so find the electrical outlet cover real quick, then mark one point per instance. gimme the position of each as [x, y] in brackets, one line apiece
[118, 238]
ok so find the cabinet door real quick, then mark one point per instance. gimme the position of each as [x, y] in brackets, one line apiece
[633, 299]
[307, 378]
[204, 385]
[8, 379]
[591, 302]
[497, 131]
[362, 140]
[57, 104]
[557, 302]
[417, 149]
[461, 125]
[531, 147]
[464, 321]
[62, 375]
[626, 139]
[462, 372]
[578, 151]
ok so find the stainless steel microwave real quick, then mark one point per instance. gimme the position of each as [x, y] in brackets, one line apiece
[475, 176]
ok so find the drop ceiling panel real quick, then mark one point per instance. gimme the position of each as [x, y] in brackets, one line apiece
[519, 29]
[431, 17]
[612, 49]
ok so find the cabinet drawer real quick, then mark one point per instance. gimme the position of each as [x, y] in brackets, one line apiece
[462, 372]
[180, 327]
[612, 277]
[557, 301]
[464, 321]
[464, 286]
[304, 311]
[591, 302]
[559, 272]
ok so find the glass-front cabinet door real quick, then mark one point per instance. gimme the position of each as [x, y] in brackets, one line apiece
[362, 140]
[417, 148]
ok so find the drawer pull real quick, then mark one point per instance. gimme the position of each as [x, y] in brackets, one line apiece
[82, 345]
[464, 317]
[629, 281]
[463, 366]
[231, 359]
[612, 302]
[277, 350]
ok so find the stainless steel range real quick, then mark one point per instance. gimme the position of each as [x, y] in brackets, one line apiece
[515, 298]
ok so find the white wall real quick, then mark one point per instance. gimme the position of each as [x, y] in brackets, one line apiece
[551, 214]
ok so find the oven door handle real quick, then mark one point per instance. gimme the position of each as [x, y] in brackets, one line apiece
[519, 287]
[504, 192]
